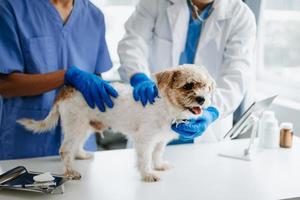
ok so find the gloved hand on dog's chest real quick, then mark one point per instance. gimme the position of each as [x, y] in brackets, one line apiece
[94, 89]
[195, 127]
[144, 89]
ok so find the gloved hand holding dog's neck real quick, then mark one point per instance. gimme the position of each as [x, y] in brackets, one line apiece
[195, 127]
[145, 90]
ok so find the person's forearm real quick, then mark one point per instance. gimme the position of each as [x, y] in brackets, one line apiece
[18, 84]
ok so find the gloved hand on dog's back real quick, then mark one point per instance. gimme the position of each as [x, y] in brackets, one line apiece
[195, 127]
[144, 89]
[94, 89]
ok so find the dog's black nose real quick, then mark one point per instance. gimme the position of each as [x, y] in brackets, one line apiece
[200, 100]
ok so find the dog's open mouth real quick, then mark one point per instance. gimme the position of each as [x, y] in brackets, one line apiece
[195, 110]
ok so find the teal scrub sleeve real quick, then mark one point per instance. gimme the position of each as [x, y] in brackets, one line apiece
[104, 62]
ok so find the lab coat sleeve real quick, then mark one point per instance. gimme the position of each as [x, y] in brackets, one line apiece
[237, 68]
[133, 49]
[11, 57]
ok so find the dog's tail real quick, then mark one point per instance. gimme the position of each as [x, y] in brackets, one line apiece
[41, 126]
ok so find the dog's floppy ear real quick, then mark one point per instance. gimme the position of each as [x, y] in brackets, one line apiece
[212, 85]
[165, 78]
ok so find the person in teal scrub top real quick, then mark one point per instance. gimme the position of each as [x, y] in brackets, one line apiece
[45, 44]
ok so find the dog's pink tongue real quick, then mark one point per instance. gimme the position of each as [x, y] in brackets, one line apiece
[197, 110]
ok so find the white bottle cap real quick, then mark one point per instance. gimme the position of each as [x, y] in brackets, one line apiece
[286, 125]
[268, 114]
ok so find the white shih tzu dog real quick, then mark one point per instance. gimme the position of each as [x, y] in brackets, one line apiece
[183, 90]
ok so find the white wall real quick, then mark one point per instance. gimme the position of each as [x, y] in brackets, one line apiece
[115, 17]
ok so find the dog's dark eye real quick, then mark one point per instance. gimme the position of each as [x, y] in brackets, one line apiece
[188, 86]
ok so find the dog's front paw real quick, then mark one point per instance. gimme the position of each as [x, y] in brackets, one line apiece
[149, 177]
[83, 155]
[163, 166]
[72, 174]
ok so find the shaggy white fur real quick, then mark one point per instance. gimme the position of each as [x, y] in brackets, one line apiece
[149, 127]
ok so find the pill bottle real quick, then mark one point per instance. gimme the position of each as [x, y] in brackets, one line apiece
[266, 116]
[271, 134]
[286, 135]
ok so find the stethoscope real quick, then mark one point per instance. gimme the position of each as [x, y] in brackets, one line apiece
[196, 11]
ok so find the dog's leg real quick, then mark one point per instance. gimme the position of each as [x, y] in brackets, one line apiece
[72, 137]
[144, 155]
[157, 155]
[67, 153]
[95, 126]
[82, 154]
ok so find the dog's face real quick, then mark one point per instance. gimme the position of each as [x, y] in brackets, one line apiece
[186, 87]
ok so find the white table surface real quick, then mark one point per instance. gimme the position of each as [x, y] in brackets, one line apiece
[198, 173]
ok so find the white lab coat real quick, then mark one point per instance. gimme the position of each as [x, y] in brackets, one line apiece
[156, 36]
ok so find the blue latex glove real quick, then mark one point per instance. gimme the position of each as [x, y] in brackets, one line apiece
[144, 89]
[195, 127]
[94, 89]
